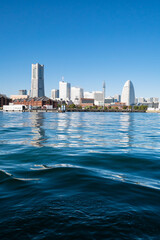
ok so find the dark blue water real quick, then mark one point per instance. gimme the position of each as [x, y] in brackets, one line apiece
[79, 176]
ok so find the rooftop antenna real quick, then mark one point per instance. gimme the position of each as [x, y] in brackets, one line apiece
[62, 78]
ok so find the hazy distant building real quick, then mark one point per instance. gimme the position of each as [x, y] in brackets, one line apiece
[109, 99]
[64, 90]
[88, 95]
[29, 93]
[76, 95]
[23, 92]
[149, 100]
[117, 98]
[13, 97]
[141, 100]
[128, 94]
[37, 85]
[136, 100]
[54, 94]
[155, 99]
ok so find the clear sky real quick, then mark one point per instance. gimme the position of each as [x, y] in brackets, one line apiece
[86, 41]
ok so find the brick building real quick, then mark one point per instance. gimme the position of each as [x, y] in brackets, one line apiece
[38, 102]
[84, 102]
[4, 100]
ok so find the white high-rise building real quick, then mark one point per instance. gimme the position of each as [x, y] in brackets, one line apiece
[76, 95]
[98, 96]
[64, 90]
[37, 84]
[128, 95]
[54, 94]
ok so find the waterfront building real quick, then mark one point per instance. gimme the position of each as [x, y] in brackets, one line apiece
[14, 107]
[36, 102]
[23, 92]
[64, 90]
[76, 95]
[37, 84]
[54, 94]
[85, 102]
[128, 94]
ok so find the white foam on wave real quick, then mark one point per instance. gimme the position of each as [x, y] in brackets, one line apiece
[9, 174]
[60, 165]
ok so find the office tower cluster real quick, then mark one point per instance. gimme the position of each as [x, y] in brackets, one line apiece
[77, 95]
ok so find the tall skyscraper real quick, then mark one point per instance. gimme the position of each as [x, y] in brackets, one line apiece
[64, 90]
[104, 93]
[76, 95]
[54, 94]
[128, 95]
[37, 85]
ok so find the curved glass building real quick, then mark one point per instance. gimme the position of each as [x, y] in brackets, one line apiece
[128, 95]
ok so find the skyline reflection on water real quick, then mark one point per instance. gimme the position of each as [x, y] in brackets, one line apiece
[90, 131]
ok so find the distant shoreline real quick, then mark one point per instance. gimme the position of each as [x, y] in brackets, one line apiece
[80, 110]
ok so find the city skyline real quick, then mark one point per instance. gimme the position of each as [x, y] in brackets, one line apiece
[64, 91]
[88, 42]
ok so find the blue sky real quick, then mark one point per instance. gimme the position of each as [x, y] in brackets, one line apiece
[86, 41]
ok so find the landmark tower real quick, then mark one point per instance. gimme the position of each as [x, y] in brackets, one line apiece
[37, 84]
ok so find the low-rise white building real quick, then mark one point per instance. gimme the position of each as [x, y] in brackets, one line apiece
[14, 107]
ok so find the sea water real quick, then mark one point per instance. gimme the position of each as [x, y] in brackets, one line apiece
[79, 175]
